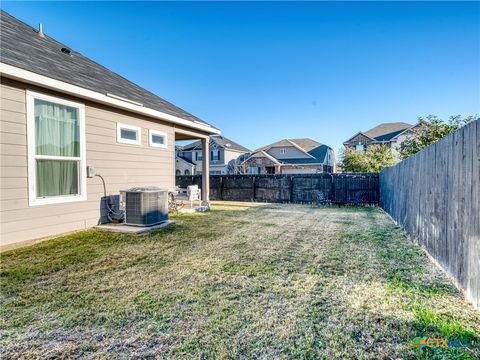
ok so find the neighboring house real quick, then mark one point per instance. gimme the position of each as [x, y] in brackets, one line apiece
[222, 151]
[61, 112]
[388, 134]
[183, 166]
[292, 156]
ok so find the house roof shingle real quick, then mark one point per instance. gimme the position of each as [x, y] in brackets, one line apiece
[317, 150]
[304, 143]
[228, 144]
[185, 159]
[389, 136]
[387, 128]
[220, 140]
[23, 47]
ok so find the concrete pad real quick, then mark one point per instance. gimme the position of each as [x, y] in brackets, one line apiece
[188, 209]
[130, 229]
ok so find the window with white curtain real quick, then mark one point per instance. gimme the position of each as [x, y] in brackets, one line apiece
[56, 149]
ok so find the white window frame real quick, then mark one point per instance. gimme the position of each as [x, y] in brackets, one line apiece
[121, 140]
[360, 147]
[253, 170]
[283, 151]
[33, 200]
[158, 133]
[218, 152]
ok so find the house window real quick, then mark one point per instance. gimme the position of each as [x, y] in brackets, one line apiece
[282, 151]
[56, 150]
[129, 134]
[360, 147]
[199, 156]
[178, 172]
[158, 139]
[253, 170]
[215, 155]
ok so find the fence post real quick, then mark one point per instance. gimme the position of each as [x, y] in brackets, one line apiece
[334, 188]
[221, 188]
[254, 178]
[291, 189]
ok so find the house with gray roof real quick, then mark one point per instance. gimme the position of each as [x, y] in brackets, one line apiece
[223, 154]
[291, 156]
[62, 112]
[183, 165]
[390, 135]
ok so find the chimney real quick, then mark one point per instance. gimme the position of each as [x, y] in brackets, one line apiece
[40, 31]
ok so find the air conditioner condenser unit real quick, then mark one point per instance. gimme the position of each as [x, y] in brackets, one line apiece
[145, 206]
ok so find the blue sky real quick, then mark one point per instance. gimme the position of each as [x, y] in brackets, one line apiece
[266, 71]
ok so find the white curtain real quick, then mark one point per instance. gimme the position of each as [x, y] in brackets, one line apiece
[57, 130]
[57, 133]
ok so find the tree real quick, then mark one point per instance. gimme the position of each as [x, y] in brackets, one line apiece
[430, 130]
[236, 166]
[374, 159]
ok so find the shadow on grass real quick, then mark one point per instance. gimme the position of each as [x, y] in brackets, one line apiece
[404, 265]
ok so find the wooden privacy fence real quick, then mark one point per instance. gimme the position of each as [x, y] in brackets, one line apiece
[353, 189]
[435, 196]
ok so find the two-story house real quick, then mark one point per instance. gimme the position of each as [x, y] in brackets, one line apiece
[183, 165]
[292, 156]
[222, 152]
[387, 134]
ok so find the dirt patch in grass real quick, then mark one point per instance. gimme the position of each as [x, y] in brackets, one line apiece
[241, 281]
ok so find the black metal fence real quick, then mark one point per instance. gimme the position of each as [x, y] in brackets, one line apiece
[435, 196]
[354, 189]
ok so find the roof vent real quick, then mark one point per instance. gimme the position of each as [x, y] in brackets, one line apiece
[124, 99]
[40, 31]
[66, 50]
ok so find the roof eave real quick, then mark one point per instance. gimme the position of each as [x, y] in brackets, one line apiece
[358, 133]
[29, 77]
[237, 150]
[265, 154]
[184, 160]
[403, 131]
[303, 164]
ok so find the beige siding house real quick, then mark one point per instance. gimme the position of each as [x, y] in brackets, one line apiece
[61, 112]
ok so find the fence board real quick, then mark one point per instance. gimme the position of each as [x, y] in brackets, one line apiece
[435, 196]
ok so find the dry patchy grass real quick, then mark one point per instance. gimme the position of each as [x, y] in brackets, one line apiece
[242, 281]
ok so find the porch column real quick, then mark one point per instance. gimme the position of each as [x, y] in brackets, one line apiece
[205, 171]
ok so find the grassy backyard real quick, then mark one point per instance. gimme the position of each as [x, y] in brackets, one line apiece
[242, 281]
